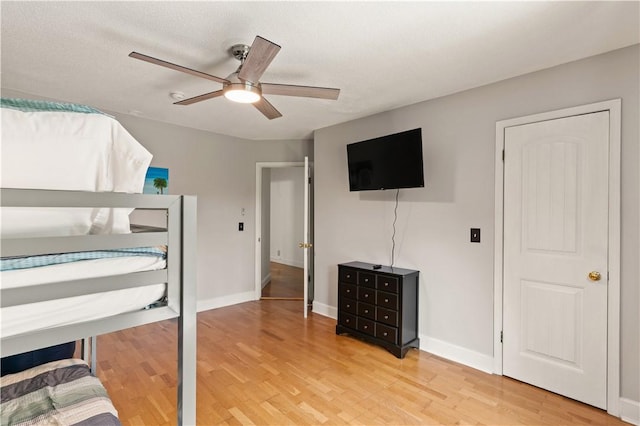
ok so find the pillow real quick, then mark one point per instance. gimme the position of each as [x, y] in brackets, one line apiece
[71, 151]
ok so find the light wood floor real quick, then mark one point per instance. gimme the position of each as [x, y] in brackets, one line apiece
[286, 282]
[261, 363]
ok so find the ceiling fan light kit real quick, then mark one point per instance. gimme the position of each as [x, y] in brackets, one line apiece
[244, 85]
[244, 93]
[241, 91]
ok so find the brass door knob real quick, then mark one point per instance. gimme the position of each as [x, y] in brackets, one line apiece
[594, 276]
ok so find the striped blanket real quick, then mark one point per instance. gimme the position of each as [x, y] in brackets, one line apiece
[13, 263]
[57, 393]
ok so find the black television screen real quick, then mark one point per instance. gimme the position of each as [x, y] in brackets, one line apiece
[387, 162]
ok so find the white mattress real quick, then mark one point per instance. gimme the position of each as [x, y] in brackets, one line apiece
[42, 315]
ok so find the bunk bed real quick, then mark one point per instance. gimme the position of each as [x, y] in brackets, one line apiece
[92, 275]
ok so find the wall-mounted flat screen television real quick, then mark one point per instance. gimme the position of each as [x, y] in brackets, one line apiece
[388, 162]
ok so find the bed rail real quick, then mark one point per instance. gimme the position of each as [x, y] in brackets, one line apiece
[179, 276]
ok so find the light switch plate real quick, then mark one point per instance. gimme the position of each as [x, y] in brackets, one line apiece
[475, 235]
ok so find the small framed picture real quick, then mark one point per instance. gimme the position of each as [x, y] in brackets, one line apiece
[156, 181]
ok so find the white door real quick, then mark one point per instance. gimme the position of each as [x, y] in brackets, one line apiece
[306, 244]
[555, 255]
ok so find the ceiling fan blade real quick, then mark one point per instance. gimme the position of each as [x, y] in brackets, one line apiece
[267, 109]
[180, 68]
[200, 98]
[302, 91]
[260, 55]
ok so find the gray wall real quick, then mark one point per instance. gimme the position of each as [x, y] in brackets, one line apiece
[456, 291]
[287, 215]
[221, 171]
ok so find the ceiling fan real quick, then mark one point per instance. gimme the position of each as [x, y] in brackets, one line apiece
[244, 85]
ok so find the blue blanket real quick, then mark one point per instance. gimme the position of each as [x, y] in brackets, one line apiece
[34, 105]
[13, 263]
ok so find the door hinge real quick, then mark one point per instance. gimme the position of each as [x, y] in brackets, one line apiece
[501, 337]
[309, 180]
[503, 155]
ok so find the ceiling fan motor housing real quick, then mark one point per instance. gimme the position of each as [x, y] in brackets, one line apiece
[240, 51]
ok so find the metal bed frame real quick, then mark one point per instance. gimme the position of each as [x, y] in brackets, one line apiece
[179, 276]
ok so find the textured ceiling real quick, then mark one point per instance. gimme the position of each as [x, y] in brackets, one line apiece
[382, 55]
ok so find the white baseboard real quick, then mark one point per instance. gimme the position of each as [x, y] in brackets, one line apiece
[443, 349]
[221, 302]
[630, 411]
[289, 262]
[456, 353]
[326, 310]
[266, 280]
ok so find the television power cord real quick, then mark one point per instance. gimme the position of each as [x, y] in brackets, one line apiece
[393, 236]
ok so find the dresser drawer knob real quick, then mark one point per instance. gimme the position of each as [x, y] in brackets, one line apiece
[348, 276]
[347, 321]
[348, 305]
[348, 291]
[366, 311]
[386, 300]
[385, 334]
[385, 317]
[366, 295]
[386, 284]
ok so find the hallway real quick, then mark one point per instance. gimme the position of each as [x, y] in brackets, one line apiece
[286, 283]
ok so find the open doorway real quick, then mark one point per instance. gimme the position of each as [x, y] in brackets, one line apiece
[282, 232]
[283, 197]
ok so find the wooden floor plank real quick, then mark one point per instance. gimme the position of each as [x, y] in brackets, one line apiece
[286, 283]
[262, 363]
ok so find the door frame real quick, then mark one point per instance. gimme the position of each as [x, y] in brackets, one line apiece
[260, 166]
[613, 290]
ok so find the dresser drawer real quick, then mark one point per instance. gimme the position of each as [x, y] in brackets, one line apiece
[347, 275]
[348, 305]
[390, 334]
[367, 279]
[347, 290]
[387, 316]
[386, 283]
[366, 295]
[347, 320]
[366, 310]
[387, 300]
[366, 326]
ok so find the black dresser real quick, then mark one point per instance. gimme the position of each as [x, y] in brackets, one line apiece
[379, 305]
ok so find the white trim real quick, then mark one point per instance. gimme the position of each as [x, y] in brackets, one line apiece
[288, 262]
[613, 297]
[630, 411]
[258, 247]
[434, 346]
[325, 310]
[221, 302]
[457, 354]
[498, 249]
[305, 237]
[266, 280]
